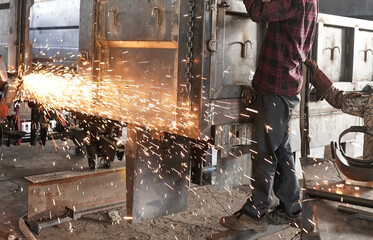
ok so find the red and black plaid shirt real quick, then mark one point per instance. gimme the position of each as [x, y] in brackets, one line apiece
[289, 38]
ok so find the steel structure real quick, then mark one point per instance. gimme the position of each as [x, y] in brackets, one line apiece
[174, 72]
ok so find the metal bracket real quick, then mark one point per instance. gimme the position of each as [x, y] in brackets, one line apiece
[115, 14]
[212, 45]
[224, 4]
[366, 54]
[244, 47]
[83, 58]
[332, 51]
[211, 6]
[157, 11]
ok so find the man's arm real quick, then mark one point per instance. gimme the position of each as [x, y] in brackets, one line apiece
[270, 11]
[351, 103]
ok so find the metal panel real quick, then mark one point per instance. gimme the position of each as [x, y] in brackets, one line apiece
[157, 174]
[140, 20]
[239, 41]
[333, 53]
[4, 29]
[364, 59]
[57, 40]
[142, 90]
[136, 64]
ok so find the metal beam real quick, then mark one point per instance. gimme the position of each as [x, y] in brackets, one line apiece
[49, 194]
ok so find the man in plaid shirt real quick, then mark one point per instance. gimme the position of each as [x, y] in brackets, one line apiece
[277, 82]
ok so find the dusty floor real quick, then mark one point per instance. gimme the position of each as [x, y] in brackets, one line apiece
[200, 219]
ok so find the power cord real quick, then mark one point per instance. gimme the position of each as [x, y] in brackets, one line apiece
[212, 194]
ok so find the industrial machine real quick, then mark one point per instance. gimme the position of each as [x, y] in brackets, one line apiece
[173, 74]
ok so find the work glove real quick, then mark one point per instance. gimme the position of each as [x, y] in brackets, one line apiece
[319, 80]
[248, 95]
[4, 109]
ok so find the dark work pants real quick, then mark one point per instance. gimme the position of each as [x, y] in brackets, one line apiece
[272, 158]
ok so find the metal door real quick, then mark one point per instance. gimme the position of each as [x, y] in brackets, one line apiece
[364, 48]
[137, 46]
[239, 41]
[333, 46]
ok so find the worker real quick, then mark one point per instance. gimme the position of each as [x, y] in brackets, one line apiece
[354, 103]
[277, 83]
[4, 109]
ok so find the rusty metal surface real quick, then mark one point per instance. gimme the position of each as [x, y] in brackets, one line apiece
[49, 194]
[157, 174]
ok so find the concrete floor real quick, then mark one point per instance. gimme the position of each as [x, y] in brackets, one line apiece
[200, 219]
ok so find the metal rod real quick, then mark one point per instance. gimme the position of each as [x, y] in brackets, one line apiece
[312, 193]
[354, 211]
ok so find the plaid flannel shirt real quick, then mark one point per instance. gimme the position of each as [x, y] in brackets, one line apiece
[289, 38]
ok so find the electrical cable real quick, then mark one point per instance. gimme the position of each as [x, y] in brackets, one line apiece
[295, 236]
[212, 194]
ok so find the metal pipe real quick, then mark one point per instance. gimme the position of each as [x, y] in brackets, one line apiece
[312, 193]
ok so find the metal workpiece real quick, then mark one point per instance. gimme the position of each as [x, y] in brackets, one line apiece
[157, 174]
[231, 135]
[354, 172]
[364, 202]
[49, 194]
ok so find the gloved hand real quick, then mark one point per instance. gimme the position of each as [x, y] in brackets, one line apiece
[315, 96]
[4, 109]
[312, 65]
[319, 80]
[248, 95]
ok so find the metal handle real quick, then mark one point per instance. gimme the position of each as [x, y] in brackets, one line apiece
[244, 47]
[83, 58]
[212, 45]
[332, 51]
[158, 12]
[115, 15]
[224, 4]
[366, 54]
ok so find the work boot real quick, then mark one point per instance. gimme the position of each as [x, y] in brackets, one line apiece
[278, 217]
[240, 221]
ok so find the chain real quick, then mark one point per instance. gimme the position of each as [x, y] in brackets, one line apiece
[189, 56]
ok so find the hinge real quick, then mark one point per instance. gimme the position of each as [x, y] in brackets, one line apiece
[211, 5]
